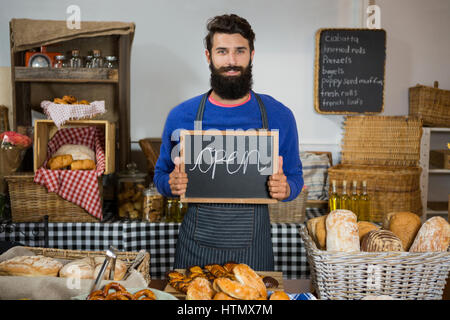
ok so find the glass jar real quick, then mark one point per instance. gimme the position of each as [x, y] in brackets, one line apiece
[110, 62]
[60, 61]
[152, 205]
[131, 184]
[171, 210]
[75, 61]
[97, 59]
[182, 209]
[88, 62]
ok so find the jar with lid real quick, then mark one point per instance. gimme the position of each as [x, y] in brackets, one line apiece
[88, 61]
[60, 61]
[110, 62]
[97, 59]
[131, 184]
[171, 210]
[152, 205]
[75, 61]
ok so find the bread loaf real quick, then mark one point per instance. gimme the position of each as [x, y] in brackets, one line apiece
[30, 266]
[364, 227]
[433, 235]
[381, 241]
[387, 219]
[77, 151]
[246, 276]
[317, 231]
[405, 225]
[342, 231]
[88, 268]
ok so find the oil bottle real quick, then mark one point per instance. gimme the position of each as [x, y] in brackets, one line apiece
[345, 199]
[354, 199]
[364, 204]
[333, 201]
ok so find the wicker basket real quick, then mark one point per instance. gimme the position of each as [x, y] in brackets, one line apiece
[352, 276]
[30, 202]
[382, 140]
[127, 257]
[390, 188]
[290, 211]
[431, 104]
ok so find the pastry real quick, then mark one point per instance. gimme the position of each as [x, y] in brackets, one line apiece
[78, 152]
[82, 165]
[222, 296]
[405, 225]
[342, 231]
[69, 99]
[88, 268]
[364, 227]
[317, 230]
[59, 162]
[235, 289]
[200, 289]
[279, 295]
[246, 276]
[381, 241]
[30, 266]
[433, 235]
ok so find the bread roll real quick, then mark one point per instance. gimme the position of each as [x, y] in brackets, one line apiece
[235, 289]
[434, 235]
[80, 269]
[381, 241]
[279, 295]
[82, 165]
[364, 227]
[405, 225]
[317, 230]
[222, 296]
[30, 266]
[59, 162]
[200, 289]
[342, 231]
[246, 276]
[77, 151]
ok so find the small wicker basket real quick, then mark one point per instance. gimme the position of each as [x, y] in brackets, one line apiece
[431, 104]
[354, 275]
[127, 257]
[289, 212]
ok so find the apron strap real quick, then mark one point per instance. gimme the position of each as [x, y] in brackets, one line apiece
[201, 111]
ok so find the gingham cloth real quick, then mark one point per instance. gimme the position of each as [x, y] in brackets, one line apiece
[60, 113]
[78, 186]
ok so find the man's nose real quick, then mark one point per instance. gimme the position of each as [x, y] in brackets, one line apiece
[231, 58]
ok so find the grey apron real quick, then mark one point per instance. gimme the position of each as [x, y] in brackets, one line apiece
[219, 232]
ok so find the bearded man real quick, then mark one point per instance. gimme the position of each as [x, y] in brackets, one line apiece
[219, 233]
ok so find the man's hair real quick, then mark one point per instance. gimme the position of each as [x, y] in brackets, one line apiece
[229, 23]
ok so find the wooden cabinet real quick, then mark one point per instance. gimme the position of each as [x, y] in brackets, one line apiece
[32, 85]
[435, 182]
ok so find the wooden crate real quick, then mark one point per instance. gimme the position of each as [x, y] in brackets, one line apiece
[45, 129]
[440, 159]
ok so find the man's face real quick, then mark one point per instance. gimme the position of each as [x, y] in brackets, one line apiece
[230, 63]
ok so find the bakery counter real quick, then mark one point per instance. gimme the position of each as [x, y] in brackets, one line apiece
[159, 239]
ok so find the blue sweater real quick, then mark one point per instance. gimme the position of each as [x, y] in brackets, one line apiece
[245, 116]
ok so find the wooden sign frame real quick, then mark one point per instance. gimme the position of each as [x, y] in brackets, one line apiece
[317, 73]
[273, 133]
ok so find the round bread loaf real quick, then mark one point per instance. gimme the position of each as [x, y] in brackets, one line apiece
[119, 271]
[78, 152]
[342, 231]
[381, 241]
[434, 235]
[30, 266]
[405, 225]
[89, 268]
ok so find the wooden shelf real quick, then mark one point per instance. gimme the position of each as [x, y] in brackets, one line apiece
[447, 171]
[66, 75]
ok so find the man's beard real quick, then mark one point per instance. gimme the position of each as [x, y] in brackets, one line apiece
[231, 87]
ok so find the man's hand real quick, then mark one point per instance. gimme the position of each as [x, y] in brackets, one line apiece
[278, 186]
[178, 180]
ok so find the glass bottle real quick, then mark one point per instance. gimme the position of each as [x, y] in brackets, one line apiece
[97, 59]
[345, 199]
[60, 61]
[364, 205]
[334, 199]
[354, 199]
[75, 61]
[110, 62]
[88, 62]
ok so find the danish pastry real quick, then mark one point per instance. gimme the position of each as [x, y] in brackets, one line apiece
[199, 289]
[236, 290]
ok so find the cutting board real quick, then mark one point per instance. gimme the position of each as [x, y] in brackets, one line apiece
[276, 275]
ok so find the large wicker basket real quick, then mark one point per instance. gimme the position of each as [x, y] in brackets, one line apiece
[291, 211]
[431, 104]
[390, 188]
[30, 202]
[127, 257]
[352, 276]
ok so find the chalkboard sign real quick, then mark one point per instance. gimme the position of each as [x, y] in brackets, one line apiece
[231, 166]
[349, 71]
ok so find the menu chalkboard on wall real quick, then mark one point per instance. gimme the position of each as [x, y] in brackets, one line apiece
[230, 166]
[349, 71]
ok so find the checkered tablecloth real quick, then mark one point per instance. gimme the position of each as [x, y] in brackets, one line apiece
[159, 239]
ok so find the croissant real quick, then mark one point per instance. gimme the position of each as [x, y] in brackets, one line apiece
[82, 165]
[60, 162]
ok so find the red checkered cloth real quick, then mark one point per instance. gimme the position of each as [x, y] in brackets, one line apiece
[78, 186]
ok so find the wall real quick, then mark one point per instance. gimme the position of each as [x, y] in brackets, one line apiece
[168, 63]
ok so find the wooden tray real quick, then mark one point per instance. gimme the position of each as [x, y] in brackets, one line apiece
[276, 275]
